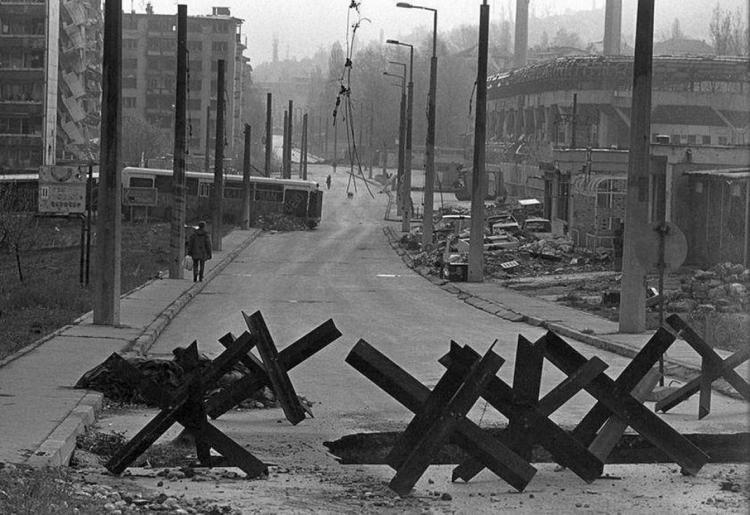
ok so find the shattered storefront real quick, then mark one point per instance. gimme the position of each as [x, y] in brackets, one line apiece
[79, 79]
[718, 228]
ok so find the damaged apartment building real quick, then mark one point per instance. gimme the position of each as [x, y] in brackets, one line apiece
[559, 131]
[564, 129]
[50, 75]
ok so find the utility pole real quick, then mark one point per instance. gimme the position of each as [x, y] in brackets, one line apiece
[284, 145]
[406, 224]
[207, 158]
[633, 294]
[217, 193]
[246, 180]
[370, 149]
[402, 199]
[290, 138]
[303, 156]
[429, 180]
[325, 142]
[478, 176]
[573, 121]
[108, 224]
[269, 134]
[335, 143]
[177, 230]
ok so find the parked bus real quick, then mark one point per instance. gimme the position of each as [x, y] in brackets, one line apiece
[149, 191]
[152, 187]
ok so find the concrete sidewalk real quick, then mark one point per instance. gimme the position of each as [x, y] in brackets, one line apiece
[681, 361]
[40, 413]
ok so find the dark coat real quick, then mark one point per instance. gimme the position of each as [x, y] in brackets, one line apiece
[199, 245]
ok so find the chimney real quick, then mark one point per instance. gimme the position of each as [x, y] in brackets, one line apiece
[521, 43]
[612, 27]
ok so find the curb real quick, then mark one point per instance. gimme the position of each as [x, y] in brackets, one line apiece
[676, 369]
[146, 339]
[58, 447]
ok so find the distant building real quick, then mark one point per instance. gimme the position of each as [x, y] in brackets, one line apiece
[80, 79]
[683, 46]
[28, 84]
[50, 77]
[560, 130]
[149, 70]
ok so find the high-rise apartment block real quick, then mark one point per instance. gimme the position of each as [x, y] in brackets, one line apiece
[28, 84]
[50, 75]
[149, 75]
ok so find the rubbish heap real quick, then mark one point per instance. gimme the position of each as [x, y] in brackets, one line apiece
[723, 288]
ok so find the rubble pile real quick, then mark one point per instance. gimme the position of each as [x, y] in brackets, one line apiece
[546, 257]
[280, 222]
[168, 373]
[725, 288]
[533, 257]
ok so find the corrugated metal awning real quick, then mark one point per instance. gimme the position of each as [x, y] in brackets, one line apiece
[727, 173]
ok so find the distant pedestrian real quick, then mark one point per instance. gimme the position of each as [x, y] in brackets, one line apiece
[199, 248]
[328, 182]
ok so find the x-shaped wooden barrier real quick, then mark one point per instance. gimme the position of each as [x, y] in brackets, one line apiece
[273, 370]
[529, 422]
[185, 405]
[615, 398]
[447, 421]
[713, 367]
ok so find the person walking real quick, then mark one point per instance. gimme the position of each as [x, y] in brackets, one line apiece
[199, 248]
[328, 182]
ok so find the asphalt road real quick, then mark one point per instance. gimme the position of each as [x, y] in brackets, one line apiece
[346, 270]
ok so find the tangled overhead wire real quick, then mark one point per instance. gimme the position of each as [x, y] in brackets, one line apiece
[344, 95]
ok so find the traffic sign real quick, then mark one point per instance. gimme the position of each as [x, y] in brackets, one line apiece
[675, 246]
[62, 189]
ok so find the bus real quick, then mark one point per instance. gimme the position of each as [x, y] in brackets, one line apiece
[152, 188]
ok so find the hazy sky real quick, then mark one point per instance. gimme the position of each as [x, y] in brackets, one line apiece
[303, 26]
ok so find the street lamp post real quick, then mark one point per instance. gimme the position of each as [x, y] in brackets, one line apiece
[400, 190]
[429, 180]
[406, 197]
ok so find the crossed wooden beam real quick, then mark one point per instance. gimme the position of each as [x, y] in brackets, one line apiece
[615, 399]
[440, 414]
[273, 370]
[713, 367]
[187, 405]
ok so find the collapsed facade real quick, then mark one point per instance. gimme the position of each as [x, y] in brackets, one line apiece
[80, 77]
[559, 131]
[50, 76]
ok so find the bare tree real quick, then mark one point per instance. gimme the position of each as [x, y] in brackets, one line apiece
[18, 225]
[728, 33]
[141, 140]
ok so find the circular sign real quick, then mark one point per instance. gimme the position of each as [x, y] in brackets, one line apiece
[675, 246]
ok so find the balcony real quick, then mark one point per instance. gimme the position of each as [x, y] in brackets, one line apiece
[22, 2]
[23, 7]
[32, 74]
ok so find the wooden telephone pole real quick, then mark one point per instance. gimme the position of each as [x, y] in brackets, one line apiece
[478, 176]
[177, 231]
[269, 134]
[633, 294]
[108, 222]
[217, 193]
[246, 180]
